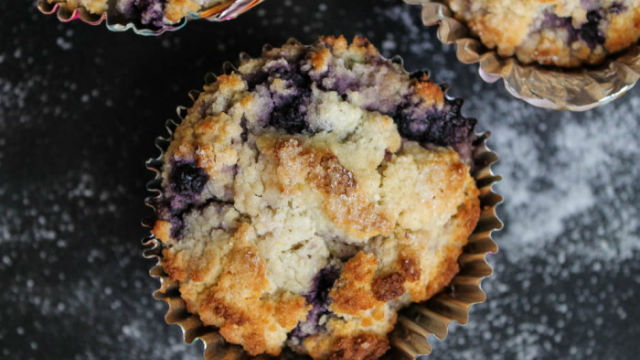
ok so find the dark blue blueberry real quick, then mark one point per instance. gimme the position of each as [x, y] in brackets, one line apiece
[290, 116]
[255, 79]
[552, 20]
[187, 179]
[445, 127]
[321, 285]
[318, 298]
[286, 71]
[177, 225]
[589, 31]
[186, 182]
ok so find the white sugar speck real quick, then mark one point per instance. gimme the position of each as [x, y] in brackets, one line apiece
[64, 44]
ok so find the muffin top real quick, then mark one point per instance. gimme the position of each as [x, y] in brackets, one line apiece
[312, 193]
[565, 33]
[155, 13]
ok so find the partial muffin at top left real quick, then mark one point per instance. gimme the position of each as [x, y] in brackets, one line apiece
[147, 12]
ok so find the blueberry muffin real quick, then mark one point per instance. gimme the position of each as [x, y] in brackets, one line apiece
[147, 12]
[311, 194]
[565, 33]
[95, 7]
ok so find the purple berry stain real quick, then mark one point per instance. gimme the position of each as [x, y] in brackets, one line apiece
[150, 12]
[416, 121]
[552, 20]
[446, 127]
[318, 298]
[186, 182]
[589, 32]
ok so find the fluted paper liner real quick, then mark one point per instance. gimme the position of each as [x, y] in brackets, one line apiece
[226, 11]
[577, 89]
[415, 322]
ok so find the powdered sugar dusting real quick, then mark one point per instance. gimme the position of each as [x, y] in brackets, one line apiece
[72, 148]
[571, 174]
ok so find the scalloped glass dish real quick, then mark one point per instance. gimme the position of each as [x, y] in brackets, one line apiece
[226, 11]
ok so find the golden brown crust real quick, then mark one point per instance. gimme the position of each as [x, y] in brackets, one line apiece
[465, 221]
[320, 58]
[619, 37]
[177, 9]
[360, 347]
[431, 93]
[352, 292]
[174, 265]
[409, 267]
[447, 271]
[424, 281]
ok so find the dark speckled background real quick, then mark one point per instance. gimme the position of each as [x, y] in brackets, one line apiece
[80, 107]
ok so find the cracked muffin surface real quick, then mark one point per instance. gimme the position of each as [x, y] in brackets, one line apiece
[311, 194]
[565, 33]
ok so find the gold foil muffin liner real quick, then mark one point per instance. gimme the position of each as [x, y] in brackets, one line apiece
[415, 322]
[577, 89]
[223, 12]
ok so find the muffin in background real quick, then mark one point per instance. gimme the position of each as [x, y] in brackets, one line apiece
[565, 33]
[311, 194]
